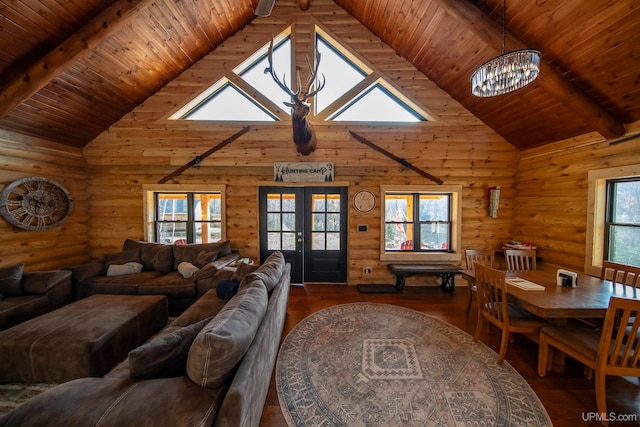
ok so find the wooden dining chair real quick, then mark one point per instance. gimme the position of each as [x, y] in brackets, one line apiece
[481, 256]
[494, 308]
[620, 273]
[520, 259]
[608, 351]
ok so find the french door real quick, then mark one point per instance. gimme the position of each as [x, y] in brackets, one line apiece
[309, 226]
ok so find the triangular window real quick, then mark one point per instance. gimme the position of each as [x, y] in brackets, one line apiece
[230, 104]
[354, 91]
[377, 104]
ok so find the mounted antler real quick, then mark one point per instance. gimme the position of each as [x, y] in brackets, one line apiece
[303, 135]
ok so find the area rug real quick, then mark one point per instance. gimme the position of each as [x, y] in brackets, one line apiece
[13, 394]
[366, 364]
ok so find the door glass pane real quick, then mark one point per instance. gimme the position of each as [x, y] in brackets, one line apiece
[289, 241]
[333, 222]
[273, 203]
[288, 222]
[273, 222]
[288, 203]
[333, 241]
[318, 201]
[318, 221]
[333, 203]
[318, 241]
[273, 241]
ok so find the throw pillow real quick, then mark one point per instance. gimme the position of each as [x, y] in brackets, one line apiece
[11, 280]
[122, 269]
[204, 258]
[166, 355]
[221, 344]
[242, 270]
[187, 270]
[271, 270]
[131, 255]
[226, 289]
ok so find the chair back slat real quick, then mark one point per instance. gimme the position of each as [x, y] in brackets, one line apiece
[620, 273]
[619, 347]
[492, 294]
[520, 259]
[481, 256]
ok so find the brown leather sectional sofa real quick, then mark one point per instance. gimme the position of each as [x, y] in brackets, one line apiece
[31, 293]
[160, 273]
[211, 366]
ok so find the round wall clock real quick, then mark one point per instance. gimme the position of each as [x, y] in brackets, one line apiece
[35, 203]
[364, 201]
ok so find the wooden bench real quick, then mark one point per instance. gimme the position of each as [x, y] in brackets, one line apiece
[446, 271]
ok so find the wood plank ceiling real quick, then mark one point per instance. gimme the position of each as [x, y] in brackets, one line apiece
[71, 68]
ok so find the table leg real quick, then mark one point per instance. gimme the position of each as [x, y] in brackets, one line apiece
[448, 283]
[400, 282]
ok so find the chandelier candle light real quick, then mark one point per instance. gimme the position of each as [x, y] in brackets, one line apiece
[507, 72]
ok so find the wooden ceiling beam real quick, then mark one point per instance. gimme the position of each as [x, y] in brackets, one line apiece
[548, 78]
[35, 77]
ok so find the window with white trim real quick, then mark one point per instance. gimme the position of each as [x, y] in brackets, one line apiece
[421, 223]
[622, 221]
[597, 213]
[179, 214]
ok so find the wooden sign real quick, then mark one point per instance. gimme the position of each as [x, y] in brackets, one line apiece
[303, 172]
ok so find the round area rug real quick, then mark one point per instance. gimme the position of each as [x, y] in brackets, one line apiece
[366, 364]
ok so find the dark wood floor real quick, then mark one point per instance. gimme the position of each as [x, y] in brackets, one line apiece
[568, 397]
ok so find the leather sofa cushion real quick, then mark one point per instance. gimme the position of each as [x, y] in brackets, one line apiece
[14, 310]
[172, 284]
[269, 272]
[119, 258]
[40, 282]
[207, 305]
[242, 270]
[165, 355]
[204, 258]
[153, 256]
[223, 342]
[116, 402]
[11, 280]
[190, 252]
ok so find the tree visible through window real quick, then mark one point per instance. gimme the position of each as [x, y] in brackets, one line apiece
[622, 222]
[188, 217]
[417, 222]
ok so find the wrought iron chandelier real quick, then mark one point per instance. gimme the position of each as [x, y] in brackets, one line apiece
[507, 72]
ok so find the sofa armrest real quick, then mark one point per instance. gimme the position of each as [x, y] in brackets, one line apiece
[202, 286]
[211, 268]
[86, 271]
[42, 282]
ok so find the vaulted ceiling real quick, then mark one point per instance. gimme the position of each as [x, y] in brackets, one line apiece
[71, 68]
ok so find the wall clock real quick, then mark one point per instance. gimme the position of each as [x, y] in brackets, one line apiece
[364, 201]
[35, 203]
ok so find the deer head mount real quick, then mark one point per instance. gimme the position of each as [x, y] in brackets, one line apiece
[303, 135]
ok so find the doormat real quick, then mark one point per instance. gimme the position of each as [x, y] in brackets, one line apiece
[378, 289]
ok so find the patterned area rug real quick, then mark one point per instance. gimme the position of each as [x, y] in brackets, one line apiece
[13, 394]
[366, 364]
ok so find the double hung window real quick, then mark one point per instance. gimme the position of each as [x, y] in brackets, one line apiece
[421, 223]
[187, 217]
[622, 221]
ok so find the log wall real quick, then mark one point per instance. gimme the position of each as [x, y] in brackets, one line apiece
[143, 147]
[22, 156]
[551, 187]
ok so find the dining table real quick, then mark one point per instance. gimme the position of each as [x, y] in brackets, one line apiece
[588, 300]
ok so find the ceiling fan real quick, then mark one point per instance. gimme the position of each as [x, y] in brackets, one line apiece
[264, 7]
